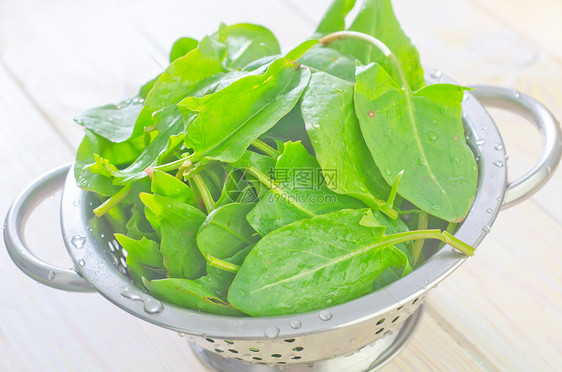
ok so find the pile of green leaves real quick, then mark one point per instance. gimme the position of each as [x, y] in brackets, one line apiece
[245, 181]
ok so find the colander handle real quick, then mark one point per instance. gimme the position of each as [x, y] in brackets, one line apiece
[34, 267]
[531, 109]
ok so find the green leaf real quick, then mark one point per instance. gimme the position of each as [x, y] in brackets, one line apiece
[331, 61]
[187, 75]
[168, 185]
[334, 19]
[197, 294]
[181, 47]
[138, 227]
[117, 154]
[298, 51]
[113, 122]
[311, 264]
[168, 123]
[299, 191]
[145, 250]
[420, 133]
[376, 18]
[143, 258]
[178, 225]
[228, 121]
[246, 43]
[329, 113]
[226, 231]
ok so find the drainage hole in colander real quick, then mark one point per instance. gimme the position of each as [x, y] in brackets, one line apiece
[387, 332]
[379, 331]
[416, 300]
[399, 308]
[253, 349]
[298, 348]
[281, 362]
[296, 357]
[381, 321]
[289, 340]
[219, 351]
[395, 319]
[210, 340]
[276, 355]
[229, 342]
[238, 358]
[256, 358]
[233, 351]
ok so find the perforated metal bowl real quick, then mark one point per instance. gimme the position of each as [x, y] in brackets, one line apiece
[359, 335]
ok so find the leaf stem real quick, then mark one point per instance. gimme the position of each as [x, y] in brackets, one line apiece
[418, 244]
[221, 264]
[204, 192]
[274, 187]
[341, 35]
[112, 201]
[265, 148]
[443, 236]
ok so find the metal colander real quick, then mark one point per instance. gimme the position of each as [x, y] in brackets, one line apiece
[359, 335]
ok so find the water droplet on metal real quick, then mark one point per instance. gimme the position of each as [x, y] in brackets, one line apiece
[480, 142]
[426, 281]
[78, 241]
[498, 147]
[247, 357]
[325, 315]
[181, 334]
[506, 157]
[76, 202]
[81, 262]
[489, 210]
[151, 306]
[498, 163]
[436, 74]
[516, 94]
[219, 347]
[271, 332]
[486, 229]
[466, 97]
[51, 275]
[433, 136]
[295, 324]
[484, 128]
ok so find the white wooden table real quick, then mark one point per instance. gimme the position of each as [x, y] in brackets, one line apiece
[501, 310]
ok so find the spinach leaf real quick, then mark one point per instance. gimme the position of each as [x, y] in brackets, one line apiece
[334, 19]
[178, 225]
[376, 18]
[327, 107]
[331, 61]
[246, 43]
[187, 75]
[181, 47]
[143, 258]
[313, 263]
[168, 123]
[113, 122]
[138, 227]
[299, 191]
[228, 121]
[120, 153]
[226, 231]
[197, 294]
[167, 185]
[421, 134]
